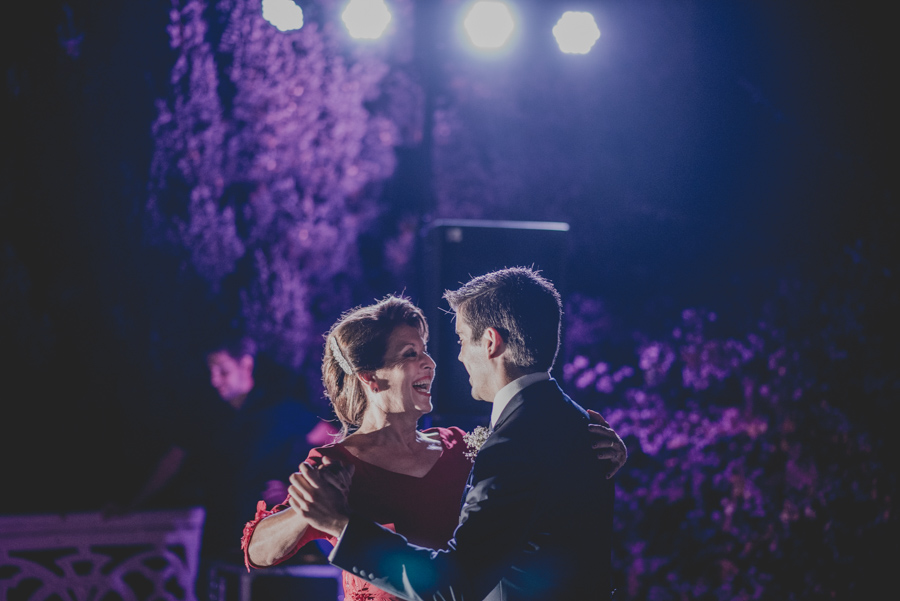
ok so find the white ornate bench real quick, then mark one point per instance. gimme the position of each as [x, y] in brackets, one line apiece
[88, 557]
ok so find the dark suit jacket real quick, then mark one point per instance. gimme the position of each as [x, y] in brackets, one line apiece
[536, 523]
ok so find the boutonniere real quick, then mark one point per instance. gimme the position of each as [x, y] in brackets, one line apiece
[474, 440]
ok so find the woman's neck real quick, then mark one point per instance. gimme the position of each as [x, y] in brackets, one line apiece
[394, 429]
[392, 443]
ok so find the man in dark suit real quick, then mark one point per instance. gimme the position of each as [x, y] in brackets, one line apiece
[536, 523]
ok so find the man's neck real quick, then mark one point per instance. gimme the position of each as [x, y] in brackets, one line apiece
[506, 394]
[505, 375]
[238, 401]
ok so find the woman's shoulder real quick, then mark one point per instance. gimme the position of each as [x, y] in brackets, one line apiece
[334, 450]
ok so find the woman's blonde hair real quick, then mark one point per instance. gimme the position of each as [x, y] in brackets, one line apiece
[356, 343]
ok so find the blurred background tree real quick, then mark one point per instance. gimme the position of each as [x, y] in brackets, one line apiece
[271, 154]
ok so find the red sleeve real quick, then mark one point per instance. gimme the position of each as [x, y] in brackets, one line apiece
[453, 436]
[454, 441]
[311, 534]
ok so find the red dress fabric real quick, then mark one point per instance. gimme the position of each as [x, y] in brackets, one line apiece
[425, 510]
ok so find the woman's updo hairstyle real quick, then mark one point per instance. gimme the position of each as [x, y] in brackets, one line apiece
[357, 343]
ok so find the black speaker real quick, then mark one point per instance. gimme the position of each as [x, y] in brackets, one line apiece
[454, 251]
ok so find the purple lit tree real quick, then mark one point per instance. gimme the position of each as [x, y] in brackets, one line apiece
[759, 463]
[269, 155]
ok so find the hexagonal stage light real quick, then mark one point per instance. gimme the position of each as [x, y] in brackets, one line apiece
[285, 15]
[576, 32]
[489, 24]
[366, 19]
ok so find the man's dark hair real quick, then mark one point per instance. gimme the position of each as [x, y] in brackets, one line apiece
[236, 347]
[522, 306]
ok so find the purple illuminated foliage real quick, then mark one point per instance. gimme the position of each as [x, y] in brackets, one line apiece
[754, 472]
[269, 155]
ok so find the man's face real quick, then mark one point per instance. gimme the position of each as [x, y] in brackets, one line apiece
[232, 378]
[473, 355]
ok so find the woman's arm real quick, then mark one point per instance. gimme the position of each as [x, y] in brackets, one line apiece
[275, 538]
[277, 534]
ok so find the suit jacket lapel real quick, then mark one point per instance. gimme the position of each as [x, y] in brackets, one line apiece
[514, 403]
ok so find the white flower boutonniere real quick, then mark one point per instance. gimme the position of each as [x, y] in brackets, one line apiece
[474, 440]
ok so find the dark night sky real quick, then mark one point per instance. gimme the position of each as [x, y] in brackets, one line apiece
[787, 146]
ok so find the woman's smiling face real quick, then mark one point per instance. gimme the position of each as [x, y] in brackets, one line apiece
[404, 383]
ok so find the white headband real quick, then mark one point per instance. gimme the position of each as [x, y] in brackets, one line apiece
[339, 356]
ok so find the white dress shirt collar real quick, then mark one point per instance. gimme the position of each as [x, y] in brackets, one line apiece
[505, 394]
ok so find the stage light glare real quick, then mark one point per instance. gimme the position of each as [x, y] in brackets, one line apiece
[366, 19]
[489, 24]
[285, 15]
[576, 32]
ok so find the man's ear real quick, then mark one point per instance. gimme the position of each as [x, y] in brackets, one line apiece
[495, 343]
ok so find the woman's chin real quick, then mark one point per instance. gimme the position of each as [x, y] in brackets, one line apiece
[421, 404]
